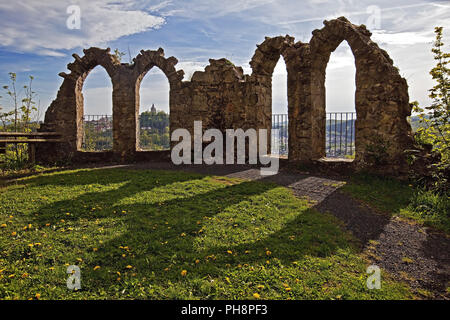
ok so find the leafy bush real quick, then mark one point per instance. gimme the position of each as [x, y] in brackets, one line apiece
[22, 116]
[434, 132]
[430, 208]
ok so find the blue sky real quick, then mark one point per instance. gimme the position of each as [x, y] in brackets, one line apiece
[35, 40]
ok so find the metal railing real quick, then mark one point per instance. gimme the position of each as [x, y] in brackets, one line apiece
[339, 134]
[280, 122]
[97, 133]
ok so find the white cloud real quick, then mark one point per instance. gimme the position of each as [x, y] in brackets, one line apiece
[401, 38]
[40, 26]
[207, 9]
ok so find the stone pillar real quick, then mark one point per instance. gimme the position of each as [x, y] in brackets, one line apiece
[125, 114]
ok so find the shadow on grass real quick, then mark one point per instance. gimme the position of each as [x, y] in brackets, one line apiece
[166, 222]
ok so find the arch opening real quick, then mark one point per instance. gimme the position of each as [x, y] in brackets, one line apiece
[279, 111]
[96, 111]
[153, 132]
[340, 110]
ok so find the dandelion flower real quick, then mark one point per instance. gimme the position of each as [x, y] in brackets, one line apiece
[183, 273]
[256, 296]
[96, 268]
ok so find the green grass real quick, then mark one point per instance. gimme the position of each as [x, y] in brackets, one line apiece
[132, 233]
[402, 199]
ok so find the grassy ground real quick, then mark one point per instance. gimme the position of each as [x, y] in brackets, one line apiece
[173, 235]
[402, 199]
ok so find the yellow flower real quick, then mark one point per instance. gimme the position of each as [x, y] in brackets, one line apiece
[3, 225]
[94, 249]
[260, 286]
[38, 296]
[256, 296]
[129, 267]
[183, 273]
[197, 261]
[288, 289]
[13, 233]
[25, 275]
[183, 234]
[96, 268]
[268, 253]
[229, 251]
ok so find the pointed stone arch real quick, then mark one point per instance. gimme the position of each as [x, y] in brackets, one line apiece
[381, 99]
[264, 60]
[143, 63]
[65, 113]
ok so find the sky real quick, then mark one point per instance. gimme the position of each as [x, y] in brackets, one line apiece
[38, 38]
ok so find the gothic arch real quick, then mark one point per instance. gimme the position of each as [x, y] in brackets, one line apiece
[65, 113]
[143, 63]
[381, 98]
[268, 53]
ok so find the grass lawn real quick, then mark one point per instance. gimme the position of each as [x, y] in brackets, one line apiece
[402, 199]
[173, 235]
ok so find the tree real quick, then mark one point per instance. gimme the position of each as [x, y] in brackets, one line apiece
[434, 119]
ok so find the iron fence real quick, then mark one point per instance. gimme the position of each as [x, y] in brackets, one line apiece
[339, 138]
[340, 134]
[97, 133]
[280, 122]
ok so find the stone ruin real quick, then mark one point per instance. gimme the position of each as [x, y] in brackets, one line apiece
[223, 97]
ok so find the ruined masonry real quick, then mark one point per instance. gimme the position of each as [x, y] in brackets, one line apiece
[223, 97]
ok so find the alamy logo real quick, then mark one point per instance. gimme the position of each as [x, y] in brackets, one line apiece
[73, 22]
[374, 280]
[235, 140]
[74, 280]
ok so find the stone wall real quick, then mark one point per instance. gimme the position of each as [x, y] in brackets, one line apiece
[223, 97]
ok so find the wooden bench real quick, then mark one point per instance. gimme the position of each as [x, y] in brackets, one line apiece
[30, 138]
